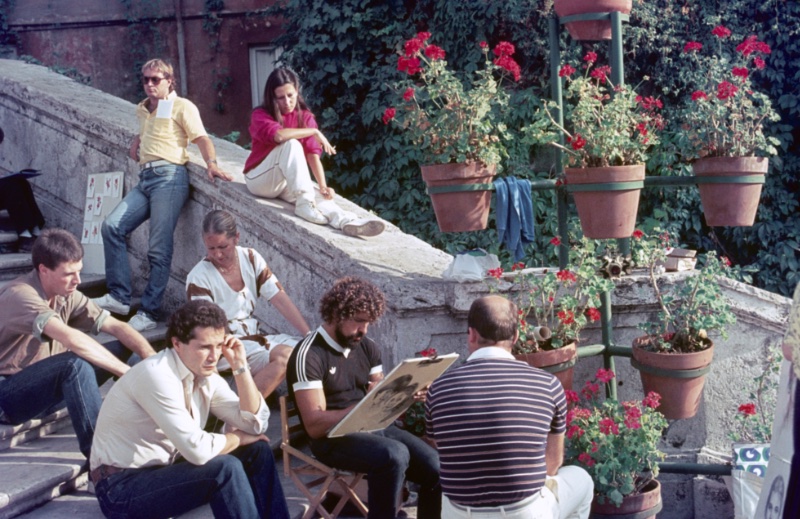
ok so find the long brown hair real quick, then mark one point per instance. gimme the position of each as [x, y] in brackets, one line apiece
[279, 77]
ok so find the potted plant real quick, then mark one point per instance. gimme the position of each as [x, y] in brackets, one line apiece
[676, 352]
[590, 29]
[617, 443]
[722, 127]
[608, 134]
[554, 306]
[454, 124]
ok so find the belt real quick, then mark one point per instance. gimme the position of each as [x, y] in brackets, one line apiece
[511, 507]
[102, 472]
[155, 163]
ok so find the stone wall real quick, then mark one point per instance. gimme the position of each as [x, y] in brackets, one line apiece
[68, 130]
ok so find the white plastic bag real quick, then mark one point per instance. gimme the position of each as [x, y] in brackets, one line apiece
[471, 265]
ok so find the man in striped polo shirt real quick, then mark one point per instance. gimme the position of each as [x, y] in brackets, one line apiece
[499, 428]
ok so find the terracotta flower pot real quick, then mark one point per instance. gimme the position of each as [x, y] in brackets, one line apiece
[649, 500]
[591, 29]
[607, 199]
[460, 193]
[680, 390]
[731, 203]
[560, 362]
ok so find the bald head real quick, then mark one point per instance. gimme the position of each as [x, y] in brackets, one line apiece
[494, 320]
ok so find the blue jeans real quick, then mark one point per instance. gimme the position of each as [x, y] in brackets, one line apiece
[243, 484]
[46, 386]
[387, 457]
[159, 196]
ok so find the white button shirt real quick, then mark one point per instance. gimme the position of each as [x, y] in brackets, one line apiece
[145, 419]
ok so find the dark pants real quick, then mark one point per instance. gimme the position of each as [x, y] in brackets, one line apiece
[387, 458]
[243, 484]
[48, 385]
[16, 196]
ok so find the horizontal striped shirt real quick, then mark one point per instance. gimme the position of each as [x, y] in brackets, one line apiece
[490, 419]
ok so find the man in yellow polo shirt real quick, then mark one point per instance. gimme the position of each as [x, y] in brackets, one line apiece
[167, 124]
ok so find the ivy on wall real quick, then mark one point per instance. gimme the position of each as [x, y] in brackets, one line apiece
[346, 57]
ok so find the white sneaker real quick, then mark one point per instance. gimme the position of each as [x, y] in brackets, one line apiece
[308, 211]
[140, 322]
[107, 302]
[363, 227]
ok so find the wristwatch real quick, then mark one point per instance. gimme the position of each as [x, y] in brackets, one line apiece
[241, 370]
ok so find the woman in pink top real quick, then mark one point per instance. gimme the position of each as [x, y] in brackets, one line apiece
[286, 150]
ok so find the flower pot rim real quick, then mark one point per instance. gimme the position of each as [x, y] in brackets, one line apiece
[639, 341]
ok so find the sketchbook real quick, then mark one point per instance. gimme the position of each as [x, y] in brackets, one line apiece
[393, 395]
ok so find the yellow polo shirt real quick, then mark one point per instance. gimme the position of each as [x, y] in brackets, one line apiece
[166, 132]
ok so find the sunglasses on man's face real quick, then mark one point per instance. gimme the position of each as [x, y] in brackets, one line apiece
[146, 80]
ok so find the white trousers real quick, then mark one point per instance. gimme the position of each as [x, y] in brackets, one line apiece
[284, 174]
[570, 499]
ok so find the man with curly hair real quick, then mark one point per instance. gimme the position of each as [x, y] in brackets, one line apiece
[329, 372]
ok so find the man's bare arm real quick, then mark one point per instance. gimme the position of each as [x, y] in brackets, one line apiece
[84, 346]
[129, 337]
[554, 453]
[317, 419]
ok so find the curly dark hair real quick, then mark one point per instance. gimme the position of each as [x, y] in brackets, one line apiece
[204, 314]
[350, 296]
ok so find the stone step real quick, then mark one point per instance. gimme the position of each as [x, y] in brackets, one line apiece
[38, 471]
[14, 264]
[13, 435]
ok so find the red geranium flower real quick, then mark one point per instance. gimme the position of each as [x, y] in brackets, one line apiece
[593, 314]
[577, 142]
[507, 63]
[601, 72]
[604, 375]
[388, 115]
[413, 46]
[741, 72]
[720, 31]
[586, 459]
[748, 409]
[652, 400]
[566, 71]
[692, 46]
[423, 36]
[726, 261]
[590, 57]
[726, 90]
[496, 273]
[637, 234]
[698, 95]
[429, 352]
[608, 426]
[504, 48]
[484, 45]
[408, 95]
[573, 431]
[556, 241]
[434, 52]
[572, 396]
[409, 65]
[566, 317]
[566, 275]
[759, 63]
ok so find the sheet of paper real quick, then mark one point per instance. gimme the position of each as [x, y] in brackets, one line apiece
[164, 110]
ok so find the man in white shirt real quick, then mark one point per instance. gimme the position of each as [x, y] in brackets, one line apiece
[151, 457]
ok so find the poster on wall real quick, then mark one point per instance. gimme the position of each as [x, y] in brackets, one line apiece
[103, 193]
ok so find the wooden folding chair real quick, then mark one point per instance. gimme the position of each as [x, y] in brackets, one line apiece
[308, 473]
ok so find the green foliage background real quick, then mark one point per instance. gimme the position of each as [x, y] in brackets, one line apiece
[346, 55]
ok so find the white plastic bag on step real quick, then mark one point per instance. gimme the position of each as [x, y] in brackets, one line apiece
[471, 265]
